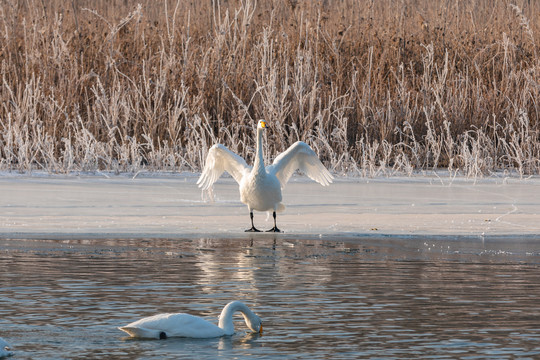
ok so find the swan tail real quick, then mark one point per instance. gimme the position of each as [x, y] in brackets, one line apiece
[138, 332]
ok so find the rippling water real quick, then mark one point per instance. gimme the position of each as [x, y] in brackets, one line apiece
[318, 299]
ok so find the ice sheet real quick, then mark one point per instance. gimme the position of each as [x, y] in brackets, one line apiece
[95, 206]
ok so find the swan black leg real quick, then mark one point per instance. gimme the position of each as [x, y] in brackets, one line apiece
[275, 228]
[253, 228]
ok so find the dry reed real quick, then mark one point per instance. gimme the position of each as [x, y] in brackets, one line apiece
[376, 87]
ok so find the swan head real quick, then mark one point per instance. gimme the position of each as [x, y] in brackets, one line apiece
[262, 125]
[254, 323]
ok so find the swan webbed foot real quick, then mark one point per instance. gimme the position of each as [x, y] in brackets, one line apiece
[275, 228]
[253, 229]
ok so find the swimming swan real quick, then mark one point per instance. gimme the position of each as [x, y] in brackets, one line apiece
[163, 326]
[260, 186]
[4, 349]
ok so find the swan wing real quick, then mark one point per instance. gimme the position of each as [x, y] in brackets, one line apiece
[299, 156]
[173, 325]
[219, 160]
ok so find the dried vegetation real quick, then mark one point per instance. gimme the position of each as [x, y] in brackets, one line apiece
[376, 87]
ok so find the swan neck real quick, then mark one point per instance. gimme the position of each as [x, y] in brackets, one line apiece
[259, 159]
[226, 317]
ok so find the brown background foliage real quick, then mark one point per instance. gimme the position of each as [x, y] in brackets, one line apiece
[373, 86]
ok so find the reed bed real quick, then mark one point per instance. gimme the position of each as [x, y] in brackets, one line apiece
[375, 87]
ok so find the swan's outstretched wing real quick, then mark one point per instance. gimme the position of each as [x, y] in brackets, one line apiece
[299, 156]
[218, 160]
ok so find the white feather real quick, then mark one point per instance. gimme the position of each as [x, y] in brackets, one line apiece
[173, 325]
[219, 160]
[299, 156]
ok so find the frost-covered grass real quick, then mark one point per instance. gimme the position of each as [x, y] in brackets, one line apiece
[376, 87]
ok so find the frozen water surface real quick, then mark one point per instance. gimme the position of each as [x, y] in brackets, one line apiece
[383, 268]
[120, 206]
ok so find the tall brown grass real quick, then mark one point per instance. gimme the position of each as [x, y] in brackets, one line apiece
[376, 87]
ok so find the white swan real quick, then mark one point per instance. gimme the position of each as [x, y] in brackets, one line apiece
[4, 349]
[163, 326]
[260, 186]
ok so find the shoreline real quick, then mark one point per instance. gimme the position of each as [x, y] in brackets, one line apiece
[38, 206]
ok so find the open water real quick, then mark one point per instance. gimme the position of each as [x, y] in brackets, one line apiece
[319, 299]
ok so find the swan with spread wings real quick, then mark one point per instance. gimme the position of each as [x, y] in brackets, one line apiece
[260, 185]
